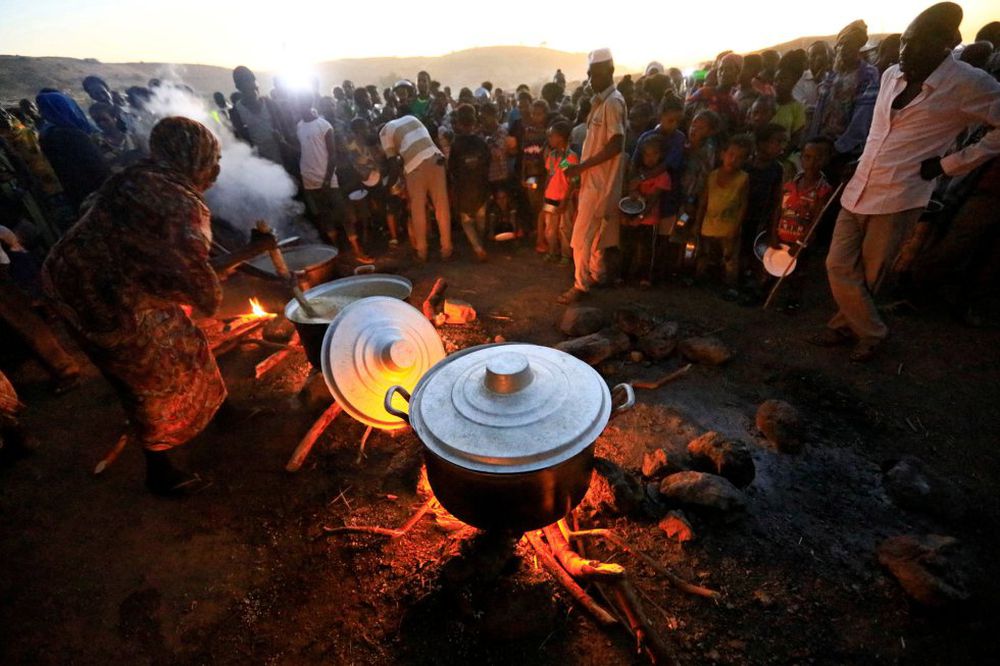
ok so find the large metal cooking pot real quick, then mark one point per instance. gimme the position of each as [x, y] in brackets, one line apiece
[311, 265]
[509, 431]
[332, 297]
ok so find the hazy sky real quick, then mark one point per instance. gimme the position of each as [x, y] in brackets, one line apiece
[279, 35]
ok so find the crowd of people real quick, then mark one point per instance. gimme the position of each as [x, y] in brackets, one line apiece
[652, 179]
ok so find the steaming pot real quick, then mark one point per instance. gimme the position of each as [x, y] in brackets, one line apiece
[509, 431]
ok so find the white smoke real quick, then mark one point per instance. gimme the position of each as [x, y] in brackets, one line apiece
[249, 187]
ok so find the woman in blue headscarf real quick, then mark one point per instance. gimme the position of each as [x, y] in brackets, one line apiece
[66, 138]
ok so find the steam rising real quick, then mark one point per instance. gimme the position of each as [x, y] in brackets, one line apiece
[249, 187]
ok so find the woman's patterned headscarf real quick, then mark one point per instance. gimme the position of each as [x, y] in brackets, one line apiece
[185, 146]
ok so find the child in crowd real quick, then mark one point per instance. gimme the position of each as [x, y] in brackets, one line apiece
[721, 209]
[761, 113]
[652, 183]
[533, 142]
[502, 214]
[699, 160]
[502, 145]
[468, 173]
[558, 194]
[671, 140]
[367, 158]
[766, 177]
[803, 200]
[789, 112]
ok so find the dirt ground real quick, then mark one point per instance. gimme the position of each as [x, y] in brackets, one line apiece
[96, 571]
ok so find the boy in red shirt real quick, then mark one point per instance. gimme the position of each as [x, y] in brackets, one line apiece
[803, 199]
[558, 223]
[653, 184]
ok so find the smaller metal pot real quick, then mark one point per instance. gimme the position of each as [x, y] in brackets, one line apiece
[509, 431]
[340, 293]
[311, 265]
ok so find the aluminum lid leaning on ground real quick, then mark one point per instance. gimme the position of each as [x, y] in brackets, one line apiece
[373, 344]
[510, 408]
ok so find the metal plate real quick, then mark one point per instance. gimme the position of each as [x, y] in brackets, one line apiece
[779, 262]
[298, 258]
[373, 344]
[510, 408]
[346, 290]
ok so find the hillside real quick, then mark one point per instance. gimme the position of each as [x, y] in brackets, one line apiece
[506, 66]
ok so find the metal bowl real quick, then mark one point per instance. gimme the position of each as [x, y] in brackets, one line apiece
[632, 205]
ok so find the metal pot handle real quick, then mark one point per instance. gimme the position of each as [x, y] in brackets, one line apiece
[388, 402]
[627, 404]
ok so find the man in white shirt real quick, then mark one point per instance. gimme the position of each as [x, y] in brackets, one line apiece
[601, 171]
[922, 106]
[319, 181]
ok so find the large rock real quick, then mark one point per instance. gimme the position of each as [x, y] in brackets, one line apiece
[617, 492]
[714, 453]
[928, 567]
[709, 350]
[913, 486]
[278, 330]
[700, 489]
[677, 527]
[596, 347]
[634, 321]
[781, 425]
[580, 320]
[661, 342]
[656, 464]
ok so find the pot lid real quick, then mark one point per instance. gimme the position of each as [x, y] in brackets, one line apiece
[371, 345]
[330, 298]
[510, 408]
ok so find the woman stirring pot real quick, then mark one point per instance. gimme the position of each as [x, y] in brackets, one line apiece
[119, 278]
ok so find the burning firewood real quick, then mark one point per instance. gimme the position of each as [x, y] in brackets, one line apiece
[576, 566]
[675, 580]
[307, 442]
[647, 639]
[603, 617]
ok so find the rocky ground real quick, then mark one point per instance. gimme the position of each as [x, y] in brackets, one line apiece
[854, 524]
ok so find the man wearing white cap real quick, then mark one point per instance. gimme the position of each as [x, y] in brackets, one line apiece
[600, 171]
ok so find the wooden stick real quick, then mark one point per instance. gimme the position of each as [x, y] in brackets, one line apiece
[111, 455]
[307, 442]
[230, 340]
[602, 616]
[674, 579]
[647, 639]
[384, 531]
[270, 363]
[364, 440]
[577, 566]
[433, 300]
[665, 379]
[266, 344]
[281, 268]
